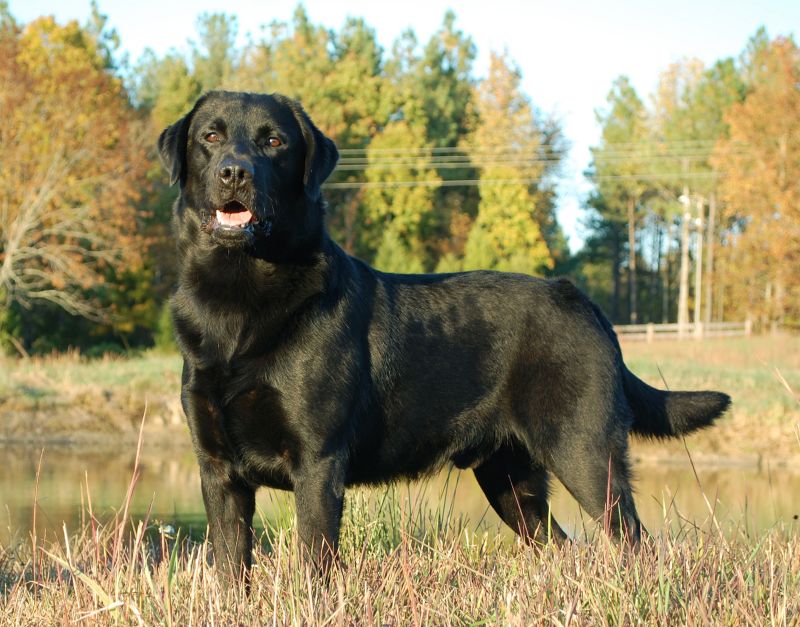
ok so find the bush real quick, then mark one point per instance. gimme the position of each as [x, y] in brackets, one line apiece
[164, 338]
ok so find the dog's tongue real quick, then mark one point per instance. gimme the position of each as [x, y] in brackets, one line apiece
[239, 218]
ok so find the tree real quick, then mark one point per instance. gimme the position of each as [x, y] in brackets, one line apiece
[402, 184]
[600, 260]
[345, 96]
[73, 168]
[689, 119]
[505, 234]
[443, 76]
[394, 255]
[719, 88]
[214, 55]
[166, 88]
[761, 185]
[618, 167]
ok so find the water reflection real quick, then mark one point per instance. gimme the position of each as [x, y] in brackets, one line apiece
[169, 487]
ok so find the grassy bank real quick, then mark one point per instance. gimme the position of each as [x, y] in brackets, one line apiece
[762, 375]
[72, 399]
[68, 398]
[403, 566]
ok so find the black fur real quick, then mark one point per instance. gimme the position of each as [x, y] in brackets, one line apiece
[307, 370]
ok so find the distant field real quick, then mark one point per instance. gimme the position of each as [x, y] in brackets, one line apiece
[68, 398]
[762, 374]
[71, 398]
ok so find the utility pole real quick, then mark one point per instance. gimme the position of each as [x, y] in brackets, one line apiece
[712, 219]
[698, 270]
[683, 289]
[666, 292]
[632, 287]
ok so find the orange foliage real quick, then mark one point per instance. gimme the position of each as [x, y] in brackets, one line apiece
[73, 168]
[761, 189]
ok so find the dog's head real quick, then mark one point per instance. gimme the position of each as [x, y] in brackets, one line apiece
[250, 167]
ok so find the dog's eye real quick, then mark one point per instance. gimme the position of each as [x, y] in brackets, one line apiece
[274, 142]
[212, 137]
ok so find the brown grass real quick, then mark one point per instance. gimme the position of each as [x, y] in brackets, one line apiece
[404, 566]
[762, 375]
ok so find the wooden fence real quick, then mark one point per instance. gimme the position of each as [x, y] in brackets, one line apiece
[652, 332]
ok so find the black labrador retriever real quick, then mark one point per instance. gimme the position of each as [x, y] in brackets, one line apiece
[307, 370]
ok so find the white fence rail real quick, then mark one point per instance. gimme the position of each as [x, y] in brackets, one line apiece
[652, 332]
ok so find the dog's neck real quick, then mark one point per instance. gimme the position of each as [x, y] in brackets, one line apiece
[221, 275]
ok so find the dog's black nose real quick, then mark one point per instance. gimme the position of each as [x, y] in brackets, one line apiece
[234, 172]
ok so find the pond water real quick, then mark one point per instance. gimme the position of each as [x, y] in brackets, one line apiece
[169, 486]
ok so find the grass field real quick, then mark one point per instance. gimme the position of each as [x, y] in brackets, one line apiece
[762, 375]
[406, 562]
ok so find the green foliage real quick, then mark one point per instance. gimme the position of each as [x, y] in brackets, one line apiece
[444, 77]
[164, 336]
[449, 262]
[619, 158]
[506, 234]
[213, 56]
[397, 159]
[394, 255]
[166, 87]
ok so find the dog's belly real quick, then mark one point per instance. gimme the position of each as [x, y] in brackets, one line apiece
[421, 441]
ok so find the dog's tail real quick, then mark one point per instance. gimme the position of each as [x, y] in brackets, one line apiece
[663, 414]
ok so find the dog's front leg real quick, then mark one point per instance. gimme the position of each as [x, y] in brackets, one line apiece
[230, 504]
[319, 497]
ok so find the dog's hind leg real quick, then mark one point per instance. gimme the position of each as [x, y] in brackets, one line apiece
[594, 468]
[517, 489]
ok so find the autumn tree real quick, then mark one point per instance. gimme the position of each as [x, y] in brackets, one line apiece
[442, 75]
[688, 120]
[73, 168]
[761, 186]
[719, 88]
[399, 200]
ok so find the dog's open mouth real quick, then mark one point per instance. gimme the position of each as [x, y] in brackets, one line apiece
[234, 215]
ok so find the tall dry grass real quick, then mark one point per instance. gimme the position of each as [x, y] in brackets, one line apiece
[405, 563]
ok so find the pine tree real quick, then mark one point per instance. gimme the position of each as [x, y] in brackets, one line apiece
[505, 234]
[617, 164]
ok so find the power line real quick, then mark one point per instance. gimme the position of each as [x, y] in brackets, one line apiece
[475, 149]
[444, 183]
[516, 160]
[643, 176]
[472, 147]
[442, 158]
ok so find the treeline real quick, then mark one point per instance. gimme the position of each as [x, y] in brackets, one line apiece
[696, 210]
[439, 171]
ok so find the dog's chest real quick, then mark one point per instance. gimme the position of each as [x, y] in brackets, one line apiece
[242, 421]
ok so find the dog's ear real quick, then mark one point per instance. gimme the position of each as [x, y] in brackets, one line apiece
[321, 153]
[172, 144]
[172, 149]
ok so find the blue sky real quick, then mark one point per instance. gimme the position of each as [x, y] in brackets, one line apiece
[569, 52]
